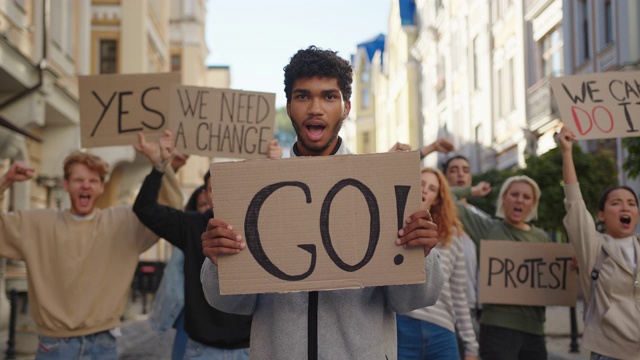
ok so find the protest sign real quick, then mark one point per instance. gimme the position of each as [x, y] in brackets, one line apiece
[317, 223]
[601, 105]
[526, 273]
[114, 107]
[222, 122]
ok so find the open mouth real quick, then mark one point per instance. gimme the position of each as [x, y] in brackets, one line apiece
[625, 219]
[84, 199]
[315, 129]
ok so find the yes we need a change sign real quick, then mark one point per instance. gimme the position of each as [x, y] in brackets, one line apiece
[222, 122]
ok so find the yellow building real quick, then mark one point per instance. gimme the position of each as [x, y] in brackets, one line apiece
[44, 46]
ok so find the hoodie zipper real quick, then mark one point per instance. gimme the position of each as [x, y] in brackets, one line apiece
[312, 326]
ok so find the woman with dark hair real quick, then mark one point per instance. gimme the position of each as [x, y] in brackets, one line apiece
[609, 262]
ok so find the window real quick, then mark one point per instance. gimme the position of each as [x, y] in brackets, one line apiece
[608, 22]
[500, 91]
[583, 30]
[477, 156]
[512, 86]
[108, 56]
[176, 62]
[366, 98]
[476, 55]
[551, 48]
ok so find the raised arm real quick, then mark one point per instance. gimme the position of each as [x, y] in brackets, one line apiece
[565, 138]
[19, 171]
[476, 226]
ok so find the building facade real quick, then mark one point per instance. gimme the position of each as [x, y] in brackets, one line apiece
[45, 46]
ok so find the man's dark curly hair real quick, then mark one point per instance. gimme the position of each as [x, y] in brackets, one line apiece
[314, 61]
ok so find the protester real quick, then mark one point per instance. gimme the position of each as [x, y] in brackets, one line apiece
[213, 334]
[79, 261]
[168, 304]
[508, 331]
[429, 333]
[609, 263]
[340, 324]
[458, 173]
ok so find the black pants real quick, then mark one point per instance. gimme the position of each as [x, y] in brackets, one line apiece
[498, 343]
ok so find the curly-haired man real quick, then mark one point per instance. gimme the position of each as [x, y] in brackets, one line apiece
[341, 324]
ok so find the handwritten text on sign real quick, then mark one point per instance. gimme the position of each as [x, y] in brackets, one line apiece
[222, 122]
[599, 106]
[317, 223]
[524, 273]
[114, 107]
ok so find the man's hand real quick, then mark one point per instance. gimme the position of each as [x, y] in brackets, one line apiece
[156, 153]
[275, 151]
[443, 145]
[483, 188]
[400, 147]
[19, 171]
[419, 231]
[178, 161]
[219, 238]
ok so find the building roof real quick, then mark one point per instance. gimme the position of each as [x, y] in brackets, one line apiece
[372, 45]
[407, 12]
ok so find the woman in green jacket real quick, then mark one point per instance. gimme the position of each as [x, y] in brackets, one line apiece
[508, 331]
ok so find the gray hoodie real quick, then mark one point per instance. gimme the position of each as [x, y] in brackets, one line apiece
[351, 324]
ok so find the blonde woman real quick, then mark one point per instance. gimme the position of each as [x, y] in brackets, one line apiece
[508, 332]
[429, 333]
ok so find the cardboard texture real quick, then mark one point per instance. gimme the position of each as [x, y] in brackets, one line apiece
[346, 197]
[524, 273]
[114, 107]
[601, 105]
[222, 122]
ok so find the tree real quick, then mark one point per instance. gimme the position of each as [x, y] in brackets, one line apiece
[632, 162]
[596, 172]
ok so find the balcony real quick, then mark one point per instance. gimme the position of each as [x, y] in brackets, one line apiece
[541, 106]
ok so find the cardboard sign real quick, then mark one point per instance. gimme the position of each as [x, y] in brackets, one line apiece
[601, 105]
[114, 107]
[318, 223]
[525, 273]
[222, 122]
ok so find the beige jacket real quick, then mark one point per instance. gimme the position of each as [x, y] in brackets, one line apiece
[614, 328]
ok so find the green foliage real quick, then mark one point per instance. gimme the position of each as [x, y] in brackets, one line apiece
[596, 172]
[632, 162]
[285, 133]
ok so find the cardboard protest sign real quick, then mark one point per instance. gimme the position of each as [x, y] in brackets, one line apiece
[222, 122]
[601, 105]
[525, 273]
[317, 223]
[114, 107]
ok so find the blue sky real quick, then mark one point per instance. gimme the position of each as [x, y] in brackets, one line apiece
[256, 38]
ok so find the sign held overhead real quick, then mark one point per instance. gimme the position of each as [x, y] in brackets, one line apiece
[601, 105]
[222, 122]
[114, 107]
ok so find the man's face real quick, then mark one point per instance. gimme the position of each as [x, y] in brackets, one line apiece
[84, 187]
[317, 111]
[620, 215]
[458, 173]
